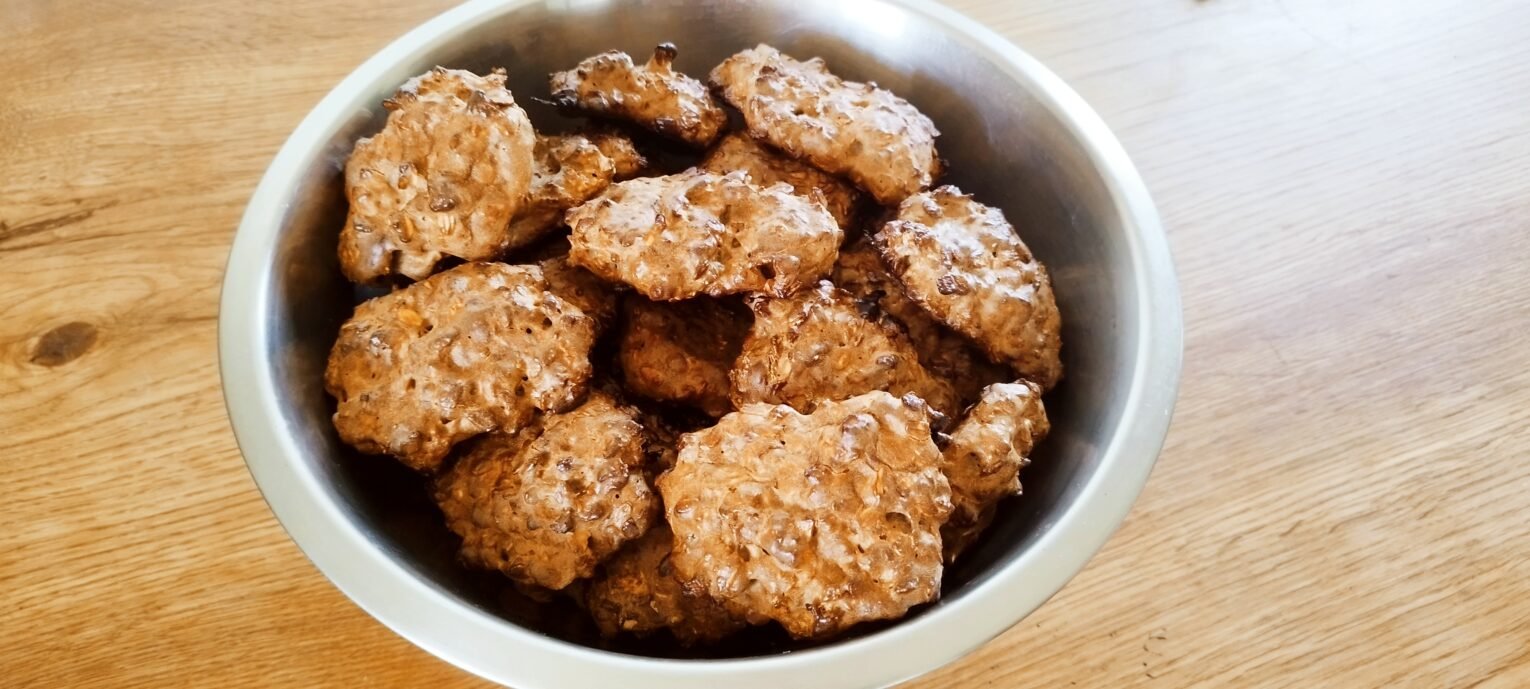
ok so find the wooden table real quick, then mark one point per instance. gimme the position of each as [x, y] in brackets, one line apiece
[1345, 496]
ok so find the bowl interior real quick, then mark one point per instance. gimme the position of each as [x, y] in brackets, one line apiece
[1002, 143]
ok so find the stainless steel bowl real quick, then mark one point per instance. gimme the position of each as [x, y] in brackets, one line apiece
[1015, 135]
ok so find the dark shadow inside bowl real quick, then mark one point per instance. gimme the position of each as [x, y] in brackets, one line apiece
[1003, 145]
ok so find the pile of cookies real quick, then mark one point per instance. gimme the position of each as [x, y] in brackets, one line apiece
[787, 384]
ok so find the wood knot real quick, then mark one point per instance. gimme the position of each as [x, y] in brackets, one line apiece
[64, 344]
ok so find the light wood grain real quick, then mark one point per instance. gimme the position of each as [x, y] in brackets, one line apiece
[1345, 496]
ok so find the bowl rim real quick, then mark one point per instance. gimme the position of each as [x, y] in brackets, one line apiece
[495, 649]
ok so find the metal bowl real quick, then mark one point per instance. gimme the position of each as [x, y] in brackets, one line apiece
[1015, 136]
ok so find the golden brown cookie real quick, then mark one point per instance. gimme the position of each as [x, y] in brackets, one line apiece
[983, 459]
[948, 356]
[680, 352]
[818, 521]
[442, 179]
[819, 345]
[638, 593]
[577, 286]
[767, 167]
[626, 160]
[878, 140]
[693, 233]
[568, 170]
[653, 96]
[546, 505]
[963, 262]
[474, 349]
